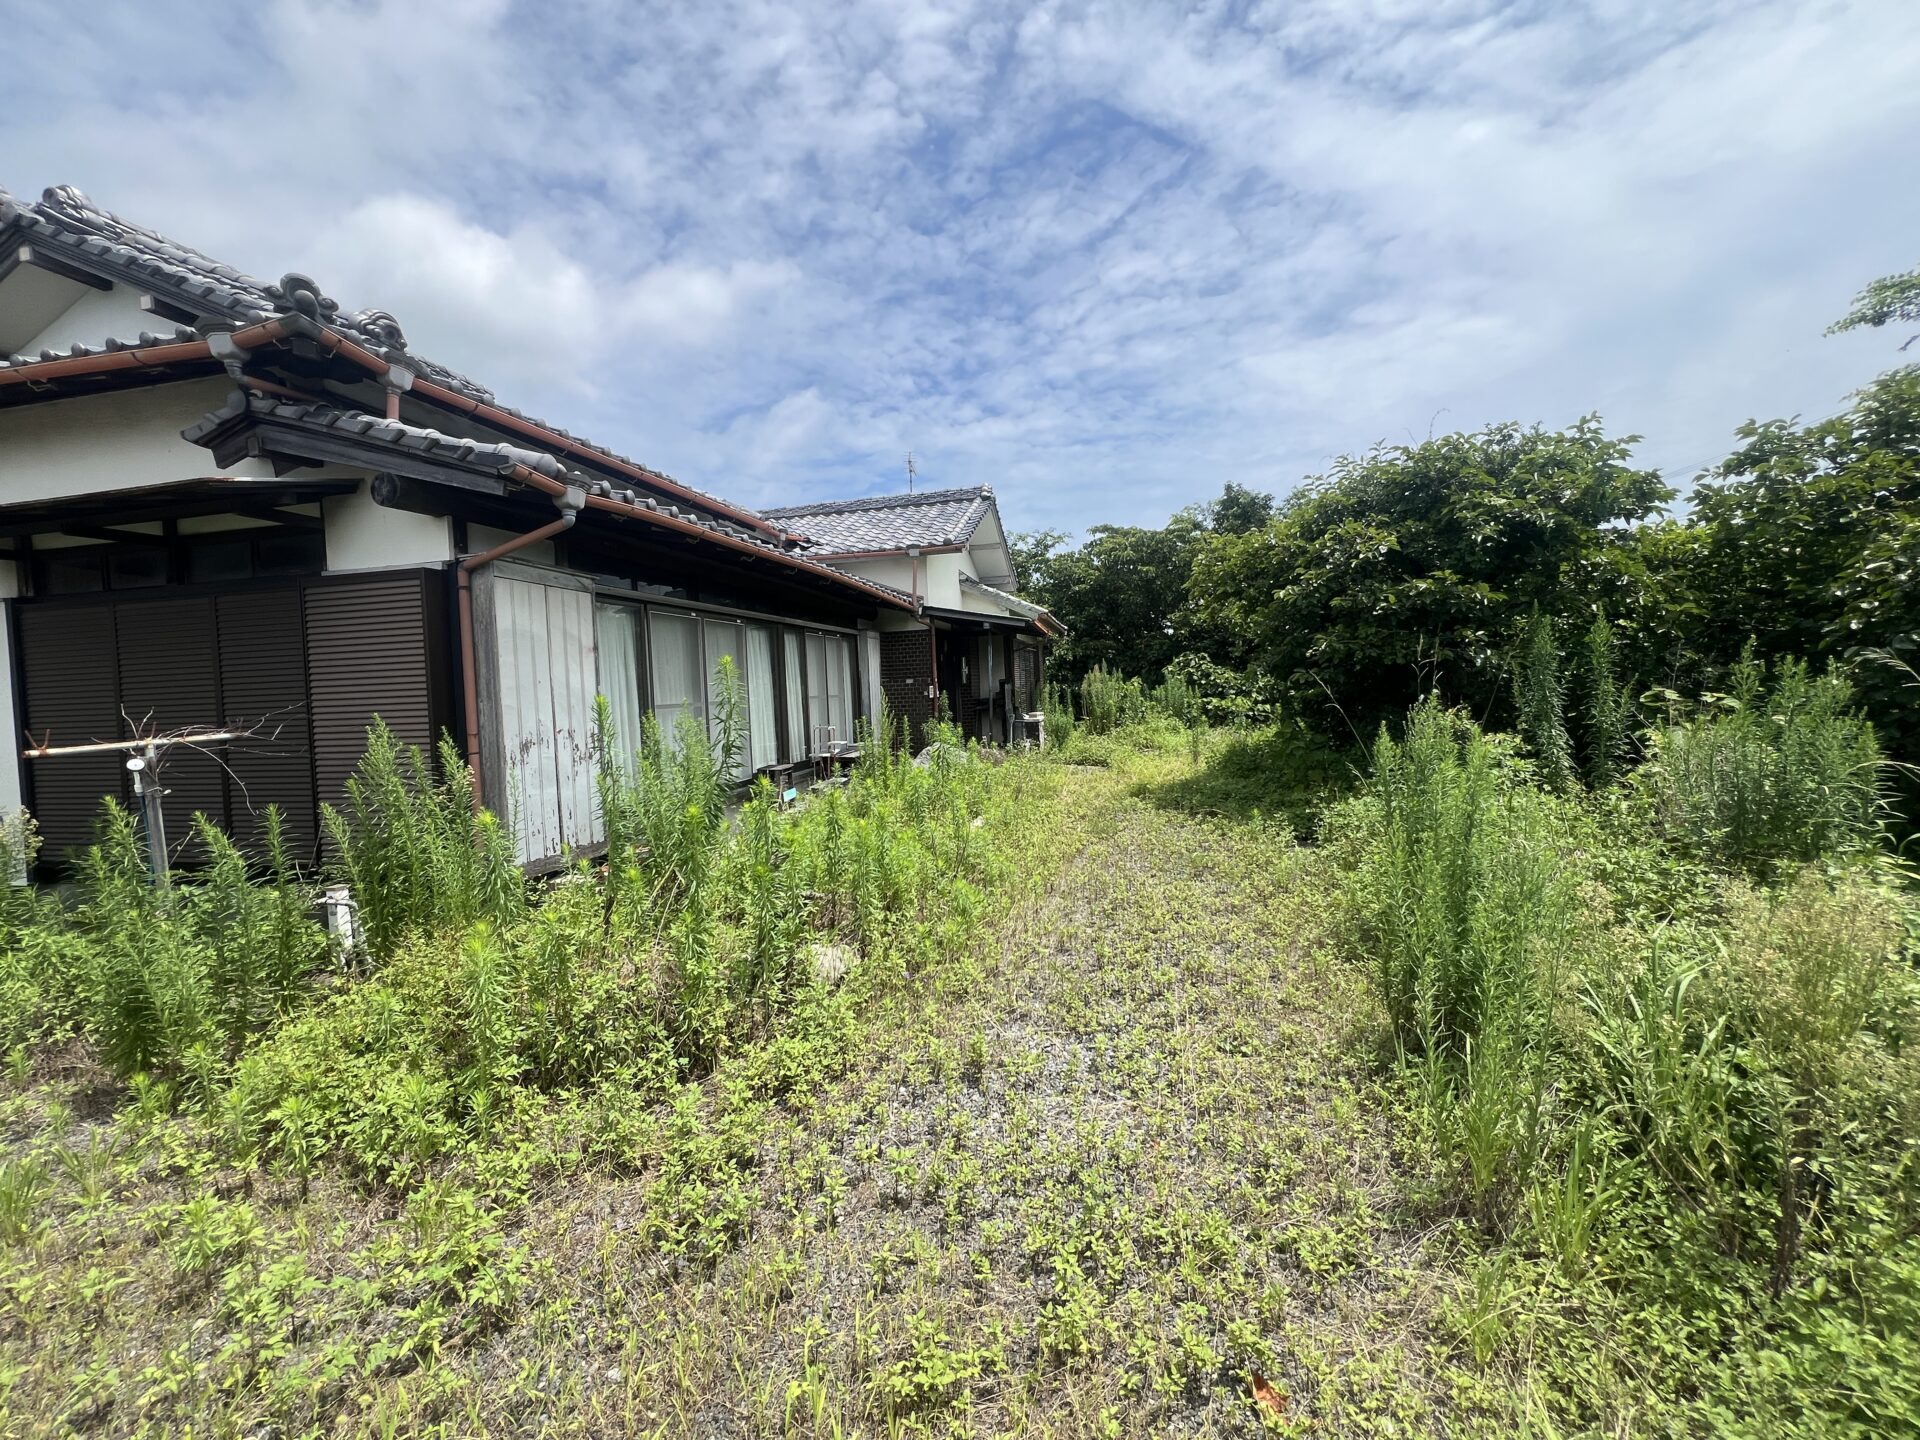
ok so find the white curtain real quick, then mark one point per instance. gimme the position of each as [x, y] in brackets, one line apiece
[829, 689]
[819, 710]
[723, 643]
[762, 738]
[840, 682]
[616, 634]
[679, 682]
[798, 745]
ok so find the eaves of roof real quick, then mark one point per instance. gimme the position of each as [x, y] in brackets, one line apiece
[1039, 614]
[511, 463]
[66, 221]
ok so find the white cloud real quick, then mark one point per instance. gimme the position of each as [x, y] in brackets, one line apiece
[1106, 255]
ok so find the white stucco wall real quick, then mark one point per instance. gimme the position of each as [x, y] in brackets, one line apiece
[981, 604]
[481, 538]
[364, 536]
[31, 299]
[939, 575]
[987, 557]
[97, 316]
[107, 442]
[888, 570]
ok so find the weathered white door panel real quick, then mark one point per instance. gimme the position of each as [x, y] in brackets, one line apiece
[544, 659]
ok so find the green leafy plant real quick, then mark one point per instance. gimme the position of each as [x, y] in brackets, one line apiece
[1767, 774]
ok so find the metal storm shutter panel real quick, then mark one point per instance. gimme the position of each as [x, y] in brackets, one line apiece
[366, 655]
[263, 684]
[169, 681]
[71, 689]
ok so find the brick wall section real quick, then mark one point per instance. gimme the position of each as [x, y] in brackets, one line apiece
[904, 663]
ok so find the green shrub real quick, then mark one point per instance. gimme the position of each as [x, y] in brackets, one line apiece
[1056, 705]
[1465, 917]
[1539, 700]
[1764, 776]
[1604, 710]
[1226, 696]
[1461, 906]
[413, 848]
[1108, 702]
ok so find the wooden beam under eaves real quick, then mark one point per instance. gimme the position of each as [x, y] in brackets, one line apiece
[40, 260]
[163, 310]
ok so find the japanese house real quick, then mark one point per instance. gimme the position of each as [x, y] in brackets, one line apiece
[974, 644]
[229, 504]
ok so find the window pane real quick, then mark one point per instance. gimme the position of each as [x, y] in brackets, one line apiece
[762, 749]
[723, 643]
[841, 686]
[615, 642]
[819, 707]
[135, 569]
[220, 560]
[62, 576]
[796, 698]
[679, 687]
[293, 552]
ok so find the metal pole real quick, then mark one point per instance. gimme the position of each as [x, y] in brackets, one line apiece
[146, 784]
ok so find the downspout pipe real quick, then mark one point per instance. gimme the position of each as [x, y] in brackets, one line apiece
[570, 505]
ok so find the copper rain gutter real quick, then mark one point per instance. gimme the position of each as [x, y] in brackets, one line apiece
[334, 343]
[176, 352]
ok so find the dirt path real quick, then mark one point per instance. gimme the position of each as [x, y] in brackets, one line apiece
[1129, 1162]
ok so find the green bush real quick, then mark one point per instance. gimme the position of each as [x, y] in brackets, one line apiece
[1539, 702]
[1767, 776]
[175, 980]
[1462, 907]
[1109, 702]
[1464, 914]
[1676, 1097]
[696, 937]
[1605, 711]
[1226, 696]
[415, 850]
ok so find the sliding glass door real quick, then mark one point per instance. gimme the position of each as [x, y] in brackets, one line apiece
[829, 691]
[794, 678]
[796, 685]
[763, 748]
[677, 672]
[616, 641]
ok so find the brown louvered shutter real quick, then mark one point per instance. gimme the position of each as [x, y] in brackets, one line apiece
[170, 681]
[263, 687]
[71, 688]
[367, 655]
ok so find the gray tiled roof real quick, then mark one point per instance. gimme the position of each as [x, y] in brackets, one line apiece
[66, 219]
[145, 340]
[1012, 602]
[499, 458]
[889, 522]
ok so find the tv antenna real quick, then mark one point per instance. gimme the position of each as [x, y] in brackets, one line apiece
[911, 472]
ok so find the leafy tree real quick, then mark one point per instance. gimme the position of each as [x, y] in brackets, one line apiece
[1890, 300]
[1406, 569]
[1120, 596]
[1238, 510]
[1031, 552]
[1123, 593]
[1808, 542]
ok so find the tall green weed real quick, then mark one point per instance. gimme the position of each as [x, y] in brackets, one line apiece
[1767, 776]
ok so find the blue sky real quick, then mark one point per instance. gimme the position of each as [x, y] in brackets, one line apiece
[1105, 256]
